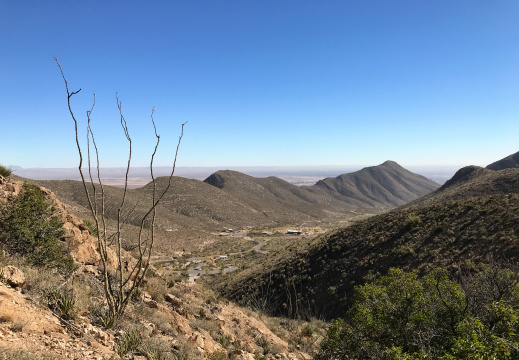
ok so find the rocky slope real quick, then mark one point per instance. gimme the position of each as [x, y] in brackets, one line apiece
[180, 319]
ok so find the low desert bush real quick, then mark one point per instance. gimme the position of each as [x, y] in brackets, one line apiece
[128, 343]
[156, 349]
[185, 350]
[157, 288]
[225, 340]
[5, 172]
[17, 326]
[218, 355]
[10, 354]
[39, 280]
[203, 324]
[264, 344]
[7, 316]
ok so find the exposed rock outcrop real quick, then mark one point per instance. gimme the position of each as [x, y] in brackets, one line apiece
[9, 188]
[13, 276]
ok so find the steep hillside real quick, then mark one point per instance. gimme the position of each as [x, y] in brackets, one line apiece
[272, 192]
[472, 181]
[511, 161]
[385, 185]
[472, 218]
[51, 313]
[190, 204]
[191, 213]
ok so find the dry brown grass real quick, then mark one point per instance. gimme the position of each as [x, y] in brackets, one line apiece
[156, 287]
[7, 315]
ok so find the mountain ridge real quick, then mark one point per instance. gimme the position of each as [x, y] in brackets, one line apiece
[383, 186]
[196, 210]
[510, 161]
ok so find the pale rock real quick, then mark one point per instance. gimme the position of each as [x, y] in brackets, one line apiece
[152, 304]
[83, 246]
[173, 300]
[90, 269]
[198, 340]
[242, 356]
[305, 356]
[13, 276]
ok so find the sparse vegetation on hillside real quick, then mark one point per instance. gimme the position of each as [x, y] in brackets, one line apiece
[481, 222]
[387, 185]
[28, 229]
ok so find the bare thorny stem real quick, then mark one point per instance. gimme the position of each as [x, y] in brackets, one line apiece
[102, 250]
[89, 131]
[116, 296]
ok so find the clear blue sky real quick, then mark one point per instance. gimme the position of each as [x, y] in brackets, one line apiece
[263, 82]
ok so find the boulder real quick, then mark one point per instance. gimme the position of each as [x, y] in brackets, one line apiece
[13, 276]
[175, 302]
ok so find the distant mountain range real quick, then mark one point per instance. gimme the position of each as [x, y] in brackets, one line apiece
[297, 175]
[472, 218]
[232, 199]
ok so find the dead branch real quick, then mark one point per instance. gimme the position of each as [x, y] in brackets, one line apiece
[119, 289]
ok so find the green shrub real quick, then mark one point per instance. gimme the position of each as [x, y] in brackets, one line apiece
[401, 316]
[413, 221]
[28, 229]
[5, 172]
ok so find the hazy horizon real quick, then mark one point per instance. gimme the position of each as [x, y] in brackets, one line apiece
[298, 175]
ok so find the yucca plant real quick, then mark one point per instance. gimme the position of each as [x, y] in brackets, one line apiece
[128, 342]
[63, 302]
[107, 320]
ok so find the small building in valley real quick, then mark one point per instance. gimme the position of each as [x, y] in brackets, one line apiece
[294, 232]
